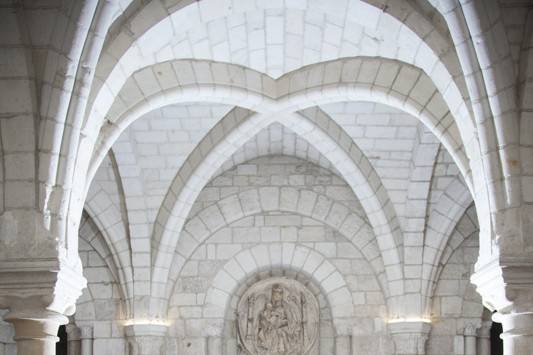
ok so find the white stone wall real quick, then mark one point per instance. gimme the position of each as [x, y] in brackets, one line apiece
[463, 68]
[101, 305]
[387, 136]
[289, 243]
[456, 305]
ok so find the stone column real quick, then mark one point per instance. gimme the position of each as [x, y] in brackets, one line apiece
[343, 345]
[39, 293]
[86, 336]
[146, 339]
[36, 331]
[506, 285]
[470, 339]
[517, 332]
[483, 338]
[73, 339]
[410, 337]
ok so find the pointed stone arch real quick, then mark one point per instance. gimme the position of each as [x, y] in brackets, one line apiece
[321, 132]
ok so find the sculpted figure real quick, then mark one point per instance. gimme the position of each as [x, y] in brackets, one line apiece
[276, 321]
[274, 332]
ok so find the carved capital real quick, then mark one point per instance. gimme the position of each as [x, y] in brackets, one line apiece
[73, 332]
[52, 285]
[146, 339]
[410, 337]
[86, 332]
[506, 284]
[484, 330]
[471, 329]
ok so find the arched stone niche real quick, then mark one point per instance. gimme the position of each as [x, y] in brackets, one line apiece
[277, 316]
[260, 285]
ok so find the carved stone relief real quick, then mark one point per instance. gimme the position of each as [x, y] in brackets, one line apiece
[277, 316]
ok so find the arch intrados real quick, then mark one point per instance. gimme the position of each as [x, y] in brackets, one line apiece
[300, 99]
[246, 155]
[236, 200]
[405, 14]
[120, 262]
[455, 214]
[111, 132]
[258, 268]
[402, 19]
[374, 199]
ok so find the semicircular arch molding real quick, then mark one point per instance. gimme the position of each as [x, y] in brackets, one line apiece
[405, 34]
[363, 79]
[304, 202]
[289, 256]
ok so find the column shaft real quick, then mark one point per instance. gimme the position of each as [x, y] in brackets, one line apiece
[470, 345]
[86, 336]
[517, 333]
[73, 340]
[483, 338]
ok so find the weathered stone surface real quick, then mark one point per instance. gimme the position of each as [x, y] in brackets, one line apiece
[277, 316]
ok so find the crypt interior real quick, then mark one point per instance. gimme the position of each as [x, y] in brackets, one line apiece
[253, 177]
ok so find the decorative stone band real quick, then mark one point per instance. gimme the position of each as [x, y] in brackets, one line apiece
[410, 337]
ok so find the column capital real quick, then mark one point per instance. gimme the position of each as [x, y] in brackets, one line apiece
[506, 284]
[41, 285]
[410, 337]
[146, 339]
[471, 328]
[484, 330]
[73, 332]
[86, 332]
